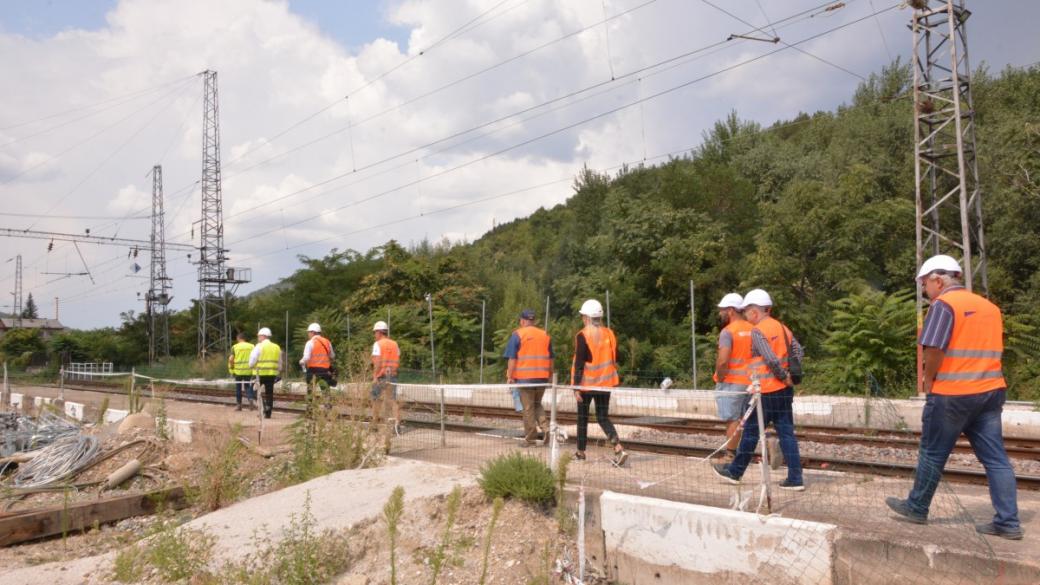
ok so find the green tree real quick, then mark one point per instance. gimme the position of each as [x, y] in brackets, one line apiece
[31, 311]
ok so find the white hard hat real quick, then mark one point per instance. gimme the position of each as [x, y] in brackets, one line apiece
[314, 328]
[757, 297]
[731, 301]
[940, 262]
[264, 331]
[380, 326]
[591, 308]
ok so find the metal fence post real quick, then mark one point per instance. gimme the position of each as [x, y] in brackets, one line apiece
[554, 445]
[444, 439]
[61, 381]
[765, 449]
[6, 391]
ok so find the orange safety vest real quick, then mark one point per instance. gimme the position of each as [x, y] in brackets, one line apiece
[739, 354]
[971, 364]
[532, 359]
[773, 331]
[602, 369]
[320, 353]
[391, 355]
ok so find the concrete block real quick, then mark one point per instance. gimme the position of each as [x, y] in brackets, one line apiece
[636, 404]
[1021, 423]
[16, 400]
[74, 410]
[115, 415]
[814, 408]
[40, 401]
[180, 430]
[650, 540]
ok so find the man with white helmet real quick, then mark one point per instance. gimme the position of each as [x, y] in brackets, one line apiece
[963, 343]
[386, 359]
[317, 360]
[731, 368]
[773, 346]
[266, 361]
[595, 365]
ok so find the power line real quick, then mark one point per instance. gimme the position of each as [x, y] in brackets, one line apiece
[571, 125]
[611, 85]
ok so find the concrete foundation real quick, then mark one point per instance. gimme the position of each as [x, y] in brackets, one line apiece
[74, 410]
[660, 541]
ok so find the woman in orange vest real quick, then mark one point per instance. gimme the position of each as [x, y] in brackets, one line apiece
[530, 356]
[595, 364]
[963, 342]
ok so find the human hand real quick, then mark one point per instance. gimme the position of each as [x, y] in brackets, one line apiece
[577, 396]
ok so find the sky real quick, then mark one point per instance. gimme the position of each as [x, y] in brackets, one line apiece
[347, 124]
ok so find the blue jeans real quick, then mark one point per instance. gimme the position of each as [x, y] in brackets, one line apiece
[243, 384]
[777, 409]
[978, 416]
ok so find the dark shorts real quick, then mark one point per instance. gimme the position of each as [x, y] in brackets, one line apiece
[384, 383]
[320, 373]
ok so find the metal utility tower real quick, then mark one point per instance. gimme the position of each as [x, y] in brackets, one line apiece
[18, 290]
[158, 297]
[948, 199]
[214, 275]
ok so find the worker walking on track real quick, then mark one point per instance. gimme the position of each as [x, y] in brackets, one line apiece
[595, 365]
[386, 359]
[530, 356]
[731, 368]
[266, 361]
[238, 366]
[772, 347]
[963, 378]
[317, 360]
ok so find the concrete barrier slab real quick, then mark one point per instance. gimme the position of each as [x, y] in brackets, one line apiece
[180, 430]
[74, 410]
[115, 415]
[16, 400]
[651, 540]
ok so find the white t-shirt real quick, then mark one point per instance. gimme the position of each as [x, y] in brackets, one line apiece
[375, 349]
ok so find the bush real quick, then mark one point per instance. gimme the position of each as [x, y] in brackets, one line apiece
[222, 481]
[179, 553]
[518, 476]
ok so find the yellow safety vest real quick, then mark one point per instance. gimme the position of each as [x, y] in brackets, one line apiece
[241, 351]
[270, 356]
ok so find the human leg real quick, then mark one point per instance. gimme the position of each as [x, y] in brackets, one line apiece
[986, 437]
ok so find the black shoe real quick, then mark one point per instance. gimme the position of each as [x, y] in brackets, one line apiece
[792, 486]
[994, 530]
[723, 471]
[238, 408]
[579, 455]
[903, 509]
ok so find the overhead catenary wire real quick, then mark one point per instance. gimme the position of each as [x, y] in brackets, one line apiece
[572, 125]
[657, 68]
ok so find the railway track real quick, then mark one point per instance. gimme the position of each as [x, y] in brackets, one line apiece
[1022, 448]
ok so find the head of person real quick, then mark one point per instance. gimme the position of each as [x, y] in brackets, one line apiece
[263, 334]
[757, 305]
[241, 336]
[381, 329]
[938, 274]
[591, 312]
[313, 329]
[729, 308]
[527, 318]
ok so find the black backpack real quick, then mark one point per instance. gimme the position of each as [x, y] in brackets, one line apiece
[794, 364]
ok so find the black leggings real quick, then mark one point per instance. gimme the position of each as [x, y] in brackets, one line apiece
[602, 400]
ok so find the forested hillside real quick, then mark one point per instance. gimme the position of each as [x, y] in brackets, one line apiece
[818, 210]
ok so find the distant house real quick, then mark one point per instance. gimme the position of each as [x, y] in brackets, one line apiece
[47, 327]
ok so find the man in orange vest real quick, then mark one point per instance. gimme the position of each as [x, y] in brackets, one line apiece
[530, 356]
[772, 345]
[731, 368]
[595, 366]
[317, 359]
[963, 342]
[386, 359]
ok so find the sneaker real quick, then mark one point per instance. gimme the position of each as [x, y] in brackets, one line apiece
[903, 509]
[994, 530]
[620, 457]
[723, 471]
[579, 456]
[238, 408]
[792, 486]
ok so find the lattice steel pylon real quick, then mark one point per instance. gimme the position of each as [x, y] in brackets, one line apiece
[948, 199]
[214, 274]
[158, 298]
[17, 302]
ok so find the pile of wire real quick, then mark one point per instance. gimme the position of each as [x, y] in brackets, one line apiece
[20, 433]
[60, 460]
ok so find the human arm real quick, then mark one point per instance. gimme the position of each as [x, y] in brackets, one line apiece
[934, 339]
[582, 355]
[377, 362]
[760, 347]
[307, 349]
[511, 353]
[254, 356]
[725, 349]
